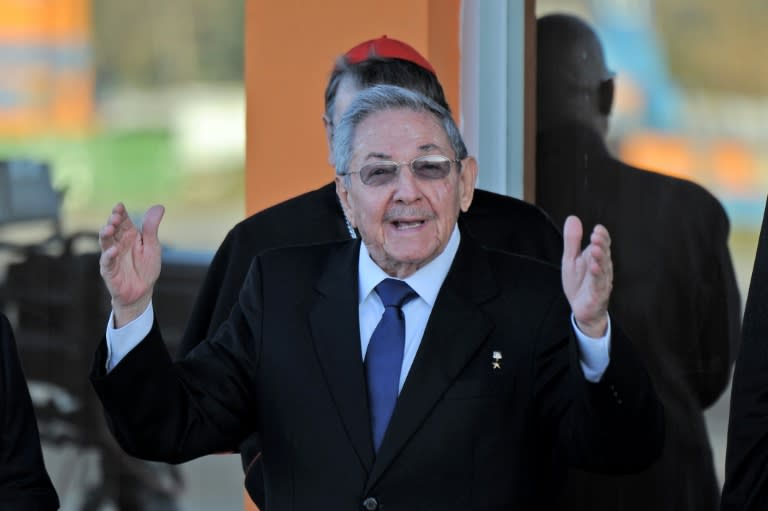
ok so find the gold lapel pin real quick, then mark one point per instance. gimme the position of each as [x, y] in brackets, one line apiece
[496, 364]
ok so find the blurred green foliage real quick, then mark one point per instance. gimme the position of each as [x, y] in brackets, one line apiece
[97, 170]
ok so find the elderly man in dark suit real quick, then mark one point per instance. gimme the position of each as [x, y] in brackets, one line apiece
[462, 392]
[675, 287]
[497, 221]
[24, 482]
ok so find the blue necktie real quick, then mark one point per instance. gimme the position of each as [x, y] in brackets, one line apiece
[384, 357]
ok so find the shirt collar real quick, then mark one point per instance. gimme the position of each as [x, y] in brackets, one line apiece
[426, 281]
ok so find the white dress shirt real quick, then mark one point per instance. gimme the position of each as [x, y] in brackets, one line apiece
[426, 282]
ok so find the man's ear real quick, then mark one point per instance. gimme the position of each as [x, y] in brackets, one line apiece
[467, 180]
[605, 97]
[346, 204]
[328, 125]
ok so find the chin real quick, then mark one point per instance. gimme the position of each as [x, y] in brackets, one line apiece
[416, 259]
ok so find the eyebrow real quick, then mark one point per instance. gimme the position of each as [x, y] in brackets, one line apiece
[383, 156]
[378, 156]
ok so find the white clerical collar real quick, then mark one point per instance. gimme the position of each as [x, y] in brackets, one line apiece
[426, 281]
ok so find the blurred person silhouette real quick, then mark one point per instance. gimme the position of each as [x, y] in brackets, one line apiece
[746, 459]
[412, 368]
[674, 280]
[24, 481]
[497, 221]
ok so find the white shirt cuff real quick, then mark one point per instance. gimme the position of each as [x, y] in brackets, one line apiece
[120, 341]
[594, 353]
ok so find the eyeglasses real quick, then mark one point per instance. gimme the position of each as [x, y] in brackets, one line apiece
[429, 168]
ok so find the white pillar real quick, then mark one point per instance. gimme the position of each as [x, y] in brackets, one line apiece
[492, 90]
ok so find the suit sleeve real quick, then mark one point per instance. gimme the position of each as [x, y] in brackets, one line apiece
[24, 482]
[746, 475]
[613, 426]
[719, 313]
[173, 412]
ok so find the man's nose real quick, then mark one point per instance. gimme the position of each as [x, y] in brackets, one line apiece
[407, 185]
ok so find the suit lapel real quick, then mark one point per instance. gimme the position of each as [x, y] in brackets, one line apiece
[455, 331]
[337, 344]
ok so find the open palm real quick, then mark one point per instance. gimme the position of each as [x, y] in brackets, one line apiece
[587, 276]
[130, 260]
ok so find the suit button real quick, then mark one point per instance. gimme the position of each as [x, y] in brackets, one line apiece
[370, 504]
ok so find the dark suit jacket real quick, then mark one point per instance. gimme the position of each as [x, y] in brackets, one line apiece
[287, 363]
[498, 221]
[24, 482]
[746, 461]
[675, 294]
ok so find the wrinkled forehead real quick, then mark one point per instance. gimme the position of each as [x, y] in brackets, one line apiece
[400, 132]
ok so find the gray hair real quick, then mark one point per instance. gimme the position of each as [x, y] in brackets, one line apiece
[388, 97]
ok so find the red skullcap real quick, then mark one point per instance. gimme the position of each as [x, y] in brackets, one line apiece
[389, 49]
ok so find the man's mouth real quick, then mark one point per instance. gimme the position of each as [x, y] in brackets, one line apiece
[407, 224]
[406, 218]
